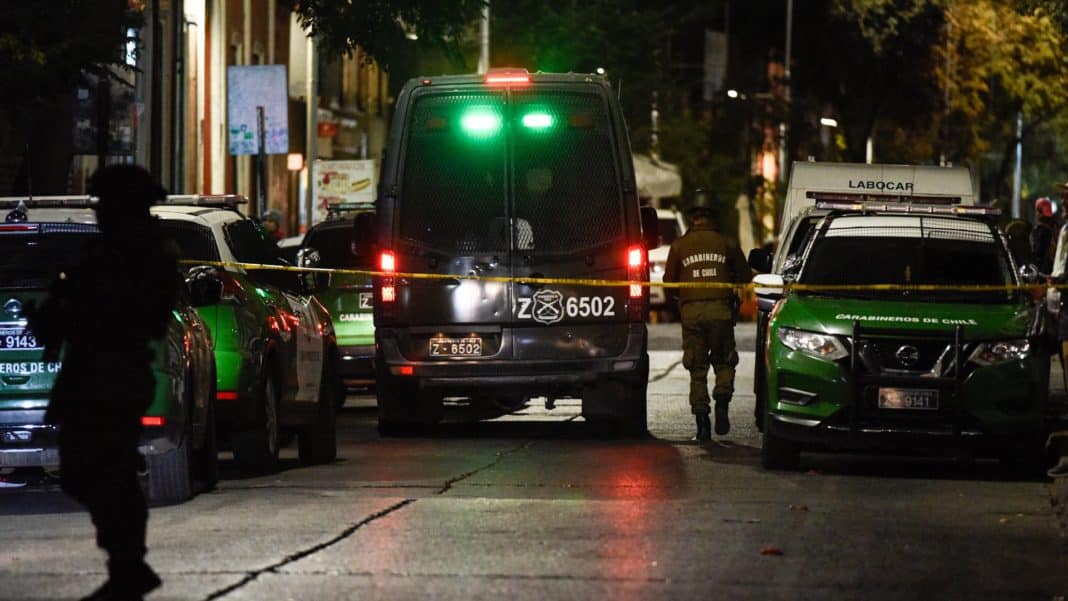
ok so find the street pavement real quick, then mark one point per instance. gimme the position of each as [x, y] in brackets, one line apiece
[536, 506]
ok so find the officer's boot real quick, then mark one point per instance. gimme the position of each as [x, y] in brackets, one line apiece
[723, 420]
[127, 579]
[704, 427]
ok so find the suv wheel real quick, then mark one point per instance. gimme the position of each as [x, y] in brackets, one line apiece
[206, 459]
[256, 449]
[317, 442]
[778, 453]
[170, 474]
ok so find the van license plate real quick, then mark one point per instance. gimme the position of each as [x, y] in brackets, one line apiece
[455, 347]
[908, 398]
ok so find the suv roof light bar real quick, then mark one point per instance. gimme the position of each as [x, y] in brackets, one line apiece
[883, 198]
[905, 208]
[206, 200]
[48, 202]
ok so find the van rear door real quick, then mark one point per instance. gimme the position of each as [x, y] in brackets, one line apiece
[569, 222]
[452, 220]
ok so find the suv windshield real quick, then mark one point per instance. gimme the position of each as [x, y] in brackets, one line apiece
[562, 184]
[33, 260]
[909, 256]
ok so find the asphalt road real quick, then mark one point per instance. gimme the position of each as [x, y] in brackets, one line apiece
[533, 506]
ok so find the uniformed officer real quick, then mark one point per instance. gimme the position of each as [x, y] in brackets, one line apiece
[103, 312]
[708, 314]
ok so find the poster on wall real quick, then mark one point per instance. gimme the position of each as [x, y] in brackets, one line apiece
[343, 182]
[249, 87]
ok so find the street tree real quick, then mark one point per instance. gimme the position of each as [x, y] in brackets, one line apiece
[45, 48]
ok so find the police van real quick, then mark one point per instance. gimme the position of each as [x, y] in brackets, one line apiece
[950, 357]
[526, 182]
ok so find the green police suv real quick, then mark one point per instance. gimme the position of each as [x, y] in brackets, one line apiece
[856, 367]
[275, 350]
[40, 238]
[344, 241]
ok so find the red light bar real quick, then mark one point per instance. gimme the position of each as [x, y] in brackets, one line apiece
[19, 227]
[226, 396]
[507, 76]
[152, 420]
[406, 370]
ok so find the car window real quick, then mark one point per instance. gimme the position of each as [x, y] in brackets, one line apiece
[195, 242]
[335, 248]
[249, 245]
[669, 230]
[33, 261]
[912, 260]
[454, 184]
[566, 177]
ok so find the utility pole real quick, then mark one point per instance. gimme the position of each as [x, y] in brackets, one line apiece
[1017, 176]
[484, 39]
[311, 94]
[784, 128]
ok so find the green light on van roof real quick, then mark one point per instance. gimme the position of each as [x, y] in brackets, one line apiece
[537, 120]
[481, 122]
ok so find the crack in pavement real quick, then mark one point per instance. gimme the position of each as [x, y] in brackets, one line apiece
[668, 370]
[273, 568]
[496, 460]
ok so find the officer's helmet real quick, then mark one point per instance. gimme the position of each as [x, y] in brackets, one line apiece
[703, 204]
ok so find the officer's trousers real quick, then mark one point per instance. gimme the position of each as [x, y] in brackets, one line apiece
[99, 462]
[708, 340]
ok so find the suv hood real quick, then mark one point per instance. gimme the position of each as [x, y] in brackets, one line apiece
[836, 316]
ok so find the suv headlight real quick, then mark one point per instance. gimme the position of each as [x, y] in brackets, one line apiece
[823, 346]
[989, 353]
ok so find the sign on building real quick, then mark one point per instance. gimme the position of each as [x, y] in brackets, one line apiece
[343, 182]
[247, 88]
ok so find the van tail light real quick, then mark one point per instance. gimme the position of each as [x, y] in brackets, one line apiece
[387, 264]
[153, 420]
[232, 290]
[636, 262]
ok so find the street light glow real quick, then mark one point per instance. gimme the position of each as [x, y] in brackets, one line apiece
[600, 70]
[732, 93]
[827, 121]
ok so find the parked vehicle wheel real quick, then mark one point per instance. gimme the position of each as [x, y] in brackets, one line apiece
[256, 449]
[170, 474]
[317, 442]
[404, 410]
[778, 453]
[206, 458]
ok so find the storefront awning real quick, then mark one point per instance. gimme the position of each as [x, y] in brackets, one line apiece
[656, 179]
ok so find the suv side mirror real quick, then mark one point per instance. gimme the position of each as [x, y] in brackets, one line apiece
[204, 285]
[650, 227]
[311, 281]
[768, 285]
[760, 260]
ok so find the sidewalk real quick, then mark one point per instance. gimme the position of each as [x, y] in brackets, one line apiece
[1059, 413]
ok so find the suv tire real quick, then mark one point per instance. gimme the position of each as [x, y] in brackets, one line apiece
[317, 442]
[206, 458]
[256, 449]
[778, 453]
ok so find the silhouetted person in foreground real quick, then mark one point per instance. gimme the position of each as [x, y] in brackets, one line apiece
[104, 312]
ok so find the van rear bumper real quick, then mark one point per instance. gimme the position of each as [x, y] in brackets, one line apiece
[501, 371]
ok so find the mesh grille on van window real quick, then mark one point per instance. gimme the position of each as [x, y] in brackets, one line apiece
[566, 189]
[454, 186]
[68, 228]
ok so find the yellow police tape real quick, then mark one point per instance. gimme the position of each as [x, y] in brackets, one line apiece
[618, 283]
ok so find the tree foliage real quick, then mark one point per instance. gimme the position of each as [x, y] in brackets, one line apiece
[378, 27]
[46, 46]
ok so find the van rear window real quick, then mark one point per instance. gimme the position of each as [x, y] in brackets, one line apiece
[454, 184]
[537, 174]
